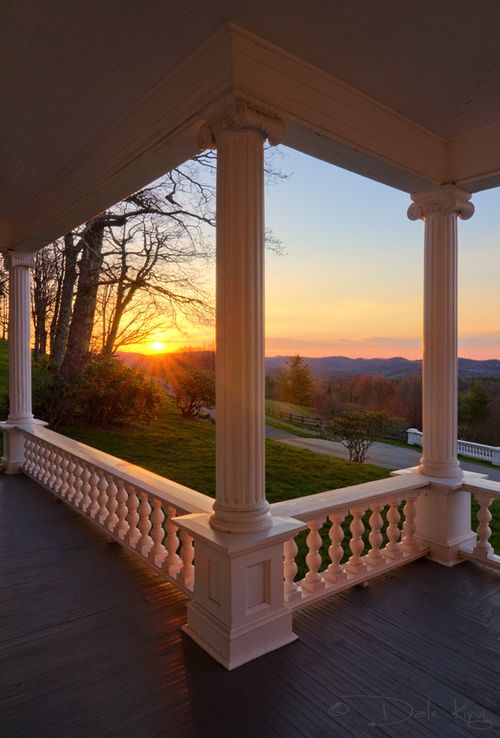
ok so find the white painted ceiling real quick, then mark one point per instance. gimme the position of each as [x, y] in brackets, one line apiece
[69, 69]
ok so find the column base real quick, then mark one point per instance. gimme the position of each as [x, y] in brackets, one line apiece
[13, 443]
[241, 521]
[238, 611]
[443, 516]
[440, 471]
[237, 646]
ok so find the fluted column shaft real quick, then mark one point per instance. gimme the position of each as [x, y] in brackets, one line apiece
[19, 265]
[440, 208]
[240, 463]
[239, 132]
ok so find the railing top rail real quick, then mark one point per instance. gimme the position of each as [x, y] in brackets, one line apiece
[182, 498]
[483, 485]
[473, 444]
[326, 503]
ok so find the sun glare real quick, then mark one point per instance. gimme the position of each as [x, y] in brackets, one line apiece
[157, 346]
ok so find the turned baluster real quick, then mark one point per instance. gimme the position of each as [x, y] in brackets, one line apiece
[335, 570]
[356, 565]
[44, 463]
[54, 469]
[186, 574]
[40, 469]
[145, 541]
[133, 533]
[36, 469]
[409, 542]
[392, 550]
[121, 510]
[374, 556]
[158, 550]
[84, 500]
[59, 464]
[41, 461]
[290, 569]
[28, 454]
[483, 547]
[102, 498]
[313, 580]
[78, 496]
[109, 517]
[49, 479]
[71, 477]
[173, 561]
[63, 466]
[90, 490]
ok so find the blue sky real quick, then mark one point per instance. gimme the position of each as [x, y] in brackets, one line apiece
[350, 281]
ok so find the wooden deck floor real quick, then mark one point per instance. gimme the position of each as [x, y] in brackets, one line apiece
[90, 645]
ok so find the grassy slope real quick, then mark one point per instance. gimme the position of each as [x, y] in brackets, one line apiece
[184, 450]
[290, 407]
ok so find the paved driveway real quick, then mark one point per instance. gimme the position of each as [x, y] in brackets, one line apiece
[381, 454]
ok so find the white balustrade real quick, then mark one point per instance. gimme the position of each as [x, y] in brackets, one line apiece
[365, 504]
[480, 451]
[131, 505]
[138, 509]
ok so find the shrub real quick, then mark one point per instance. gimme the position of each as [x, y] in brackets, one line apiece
[192, 391]
[106, 393]
[358, 429]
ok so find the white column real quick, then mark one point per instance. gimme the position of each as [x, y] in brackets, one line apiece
[443, 511]
[19, 265]
[440, 208]
[238, 611]
[238, 133]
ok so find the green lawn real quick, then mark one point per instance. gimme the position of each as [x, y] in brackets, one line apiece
[289, 407]
[184, 450]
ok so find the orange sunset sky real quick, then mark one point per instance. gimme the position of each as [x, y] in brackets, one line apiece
[350, 282]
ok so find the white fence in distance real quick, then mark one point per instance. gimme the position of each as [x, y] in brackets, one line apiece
[479, 451]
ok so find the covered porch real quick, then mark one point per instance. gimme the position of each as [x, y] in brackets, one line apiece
[234, 79]
[90, 644]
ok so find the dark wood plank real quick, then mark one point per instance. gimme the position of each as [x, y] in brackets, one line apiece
[90, 645]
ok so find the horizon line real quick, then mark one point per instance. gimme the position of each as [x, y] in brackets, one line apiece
[303, 356]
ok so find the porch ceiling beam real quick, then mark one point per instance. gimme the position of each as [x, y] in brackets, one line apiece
[330, 119]
[158, 134]
[474, 159]
[325, 118]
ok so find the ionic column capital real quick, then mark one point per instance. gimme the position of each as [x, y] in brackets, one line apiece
[236, 114]
[12, 259]
[444, 200]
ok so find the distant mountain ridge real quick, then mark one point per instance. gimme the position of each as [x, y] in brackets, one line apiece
[322, 368]
[397, 366]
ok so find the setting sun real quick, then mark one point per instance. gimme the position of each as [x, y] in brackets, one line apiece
[157, 346]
